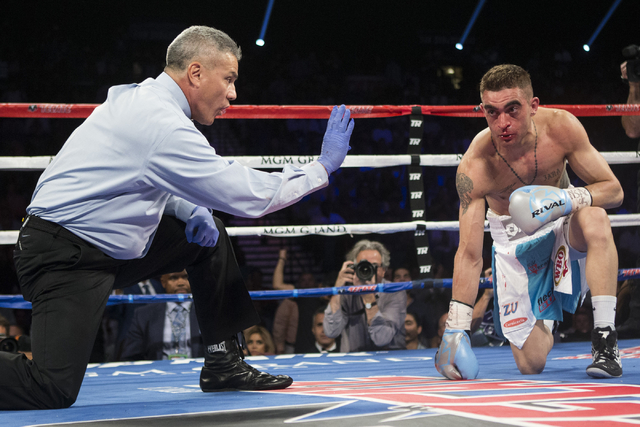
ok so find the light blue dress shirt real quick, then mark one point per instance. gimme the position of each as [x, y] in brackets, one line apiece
[138, 156]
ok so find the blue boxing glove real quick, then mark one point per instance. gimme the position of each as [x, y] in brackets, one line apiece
[336, 139]
[454, 358]
[533, 206]
[201, 228]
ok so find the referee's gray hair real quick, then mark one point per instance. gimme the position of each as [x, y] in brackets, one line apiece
[364, 245]
[196, 42]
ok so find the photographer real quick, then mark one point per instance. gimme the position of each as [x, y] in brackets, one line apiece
[367, 322]
[631, 72]
[4, 327]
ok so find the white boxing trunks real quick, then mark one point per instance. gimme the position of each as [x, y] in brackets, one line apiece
[534, 277]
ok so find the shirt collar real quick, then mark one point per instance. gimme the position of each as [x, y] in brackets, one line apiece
[168, 83]
[322, 350]
[171, 305]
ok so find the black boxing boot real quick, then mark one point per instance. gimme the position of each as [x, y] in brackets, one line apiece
[224, 369]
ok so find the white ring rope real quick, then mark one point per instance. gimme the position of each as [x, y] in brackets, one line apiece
[353, 161]
[375, 161]
[621, 220]
[277, 162]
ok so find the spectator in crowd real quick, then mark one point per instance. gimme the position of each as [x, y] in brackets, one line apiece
[259, 341]
[323, 343]
[367, 322]
[7, 313]
[413, 330]
[146, 287]
[169, 330]
[120, 316]
[582, 326]
[418, 303]
[401, 274]
[631, 124]
[623, 294]
[305, 342]
[286, 319]
[442, 325]
[285, 326]
[483, 331]
[288, 325]
[266, 309]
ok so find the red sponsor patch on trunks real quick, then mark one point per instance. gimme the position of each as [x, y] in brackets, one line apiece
[515, 322]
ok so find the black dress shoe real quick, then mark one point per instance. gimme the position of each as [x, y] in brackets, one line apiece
[224, 371]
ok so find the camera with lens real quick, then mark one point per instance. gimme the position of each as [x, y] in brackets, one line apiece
[632, 55]
[8, 344]
[364, 270]
[20, 343]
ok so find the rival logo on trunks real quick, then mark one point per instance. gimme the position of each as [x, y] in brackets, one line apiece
[545, 301]
[510, 309]
[515, 322]
[545, 209]
[561, 265]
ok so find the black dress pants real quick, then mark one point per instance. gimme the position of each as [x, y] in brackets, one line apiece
[68, 281]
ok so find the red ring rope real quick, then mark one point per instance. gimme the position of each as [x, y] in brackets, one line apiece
[81, 111]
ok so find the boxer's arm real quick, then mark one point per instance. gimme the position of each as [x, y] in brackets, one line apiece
[455, 359]
[587, 162]
[468, 260]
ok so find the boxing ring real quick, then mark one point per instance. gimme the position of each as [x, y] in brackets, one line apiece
[399, 388]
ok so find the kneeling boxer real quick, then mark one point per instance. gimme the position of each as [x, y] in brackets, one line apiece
[551, 242]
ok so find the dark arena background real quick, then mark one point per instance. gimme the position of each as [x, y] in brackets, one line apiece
[56, 57]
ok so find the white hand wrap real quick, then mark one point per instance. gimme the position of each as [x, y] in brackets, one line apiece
[580, 198]
[460, 316]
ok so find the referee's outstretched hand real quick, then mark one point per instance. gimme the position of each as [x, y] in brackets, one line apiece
[336, 139]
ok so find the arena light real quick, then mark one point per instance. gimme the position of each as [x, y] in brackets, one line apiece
[472, 21]
[265, 22]
[587, 47]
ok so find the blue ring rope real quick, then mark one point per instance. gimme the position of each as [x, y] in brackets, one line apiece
[17, 301]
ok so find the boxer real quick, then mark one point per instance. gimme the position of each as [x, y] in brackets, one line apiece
[551, 242]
